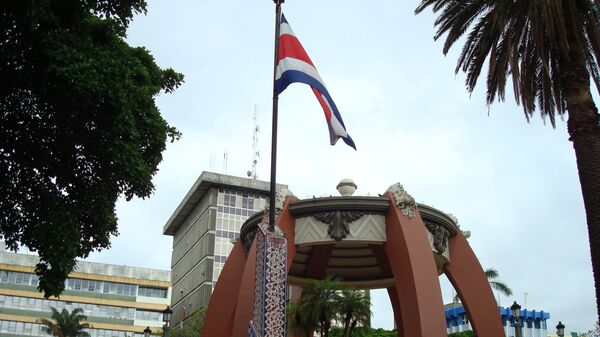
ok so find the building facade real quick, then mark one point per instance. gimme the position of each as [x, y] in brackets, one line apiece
[204, 227]
[119, 301]
[534, 322]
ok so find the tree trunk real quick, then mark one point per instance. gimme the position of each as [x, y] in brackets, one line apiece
[354, 322]
[326, 325]
[347, 325]
[584, 132]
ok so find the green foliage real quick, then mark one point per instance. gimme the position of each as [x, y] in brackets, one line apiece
[192, 326]
[65, 324]
[467, 333]
[492, 274]
[316, 308]
[78, 127]
[322, 302]
[364, 332]
[354, 308]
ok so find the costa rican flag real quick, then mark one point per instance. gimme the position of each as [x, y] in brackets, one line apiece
[294, 65]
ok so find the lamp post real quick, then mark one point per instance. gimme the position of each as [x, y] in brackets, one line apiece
[147, 331]
[516, 312]
[560, 329]
[167, 313]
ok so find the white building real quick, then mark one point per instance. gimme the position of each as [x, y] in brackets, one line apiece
[118, 300]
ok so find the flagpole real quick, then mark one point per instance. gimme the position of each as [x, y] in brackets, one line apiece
[272, 192]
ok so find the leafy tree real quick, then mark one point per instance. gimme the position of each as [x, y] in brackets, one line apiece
[363, 331]
[65, 324]
[192, 326]
[549, 49]
[467, 333]
[78, 126]
[354, 307]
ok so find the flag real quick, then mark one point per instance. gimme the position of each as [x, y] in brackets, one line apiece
[294, 65]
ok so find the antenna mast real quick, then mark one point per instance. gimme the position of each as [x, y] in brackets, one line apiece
[255, 153]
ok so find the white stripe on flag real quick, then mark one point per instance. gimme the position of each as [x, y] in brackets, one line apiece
[337, 128]
[289, 63]
[285, 29]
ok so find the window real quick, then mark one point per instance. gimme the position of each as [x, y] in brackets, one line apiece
[77, 284]
[152, 292]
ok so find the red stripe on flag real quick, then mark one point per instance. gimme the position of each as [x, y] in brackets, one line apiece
[289, 46]
[323, 103]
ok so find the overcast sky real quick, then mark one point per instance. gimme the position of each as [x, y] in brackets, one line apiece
[513, 184]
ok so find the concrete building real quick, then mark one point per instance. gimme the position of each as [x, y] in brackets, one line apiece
[204, 227]
[534, 322]
[118, 300]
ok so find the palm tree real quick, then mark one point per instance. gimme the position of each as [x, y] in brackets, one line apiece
[316, 308]
[298, 322]
[65, 324]
[354, 307]
[492, 274]
[550, 49]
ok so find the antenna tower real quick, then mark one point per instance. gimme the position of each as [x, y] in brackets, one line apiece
[255, 153]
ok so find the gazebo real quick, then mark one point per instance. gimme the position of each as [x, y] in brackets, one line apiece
[388, 241]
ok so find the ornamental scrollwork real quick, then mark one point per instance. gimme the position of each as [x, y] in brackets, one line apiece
[404, 201]
[440, 236]
[338, 222]
[465, 233]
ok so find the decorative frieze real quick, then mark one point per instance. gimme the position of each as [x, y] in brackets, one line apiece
[338, 222]
[365, 228]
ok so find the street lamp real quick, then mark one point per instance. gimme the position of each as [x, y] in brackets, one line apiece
[560, 329]
[147, 332]
[516, 313]
[167, 313]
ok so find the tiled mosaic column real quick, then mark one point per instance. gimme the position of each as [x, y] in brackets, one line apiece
[270, 289]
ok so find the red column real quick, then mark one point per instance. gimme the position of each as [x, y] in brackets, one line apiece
[244, 308]
[393, 294]
[469, 280]
[221, 309]
[415, 275]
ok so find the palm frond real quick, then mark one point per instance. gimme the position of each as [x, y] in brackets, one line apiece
[65, 323]
[491, 273]
[525, 39]
[501, 287]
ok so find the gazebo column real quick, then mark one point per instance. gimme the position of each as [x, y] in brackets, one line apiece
[384, 265]
[219, 318]
[394, 299]
[287, 224]
[415, 274]
[245, 299]
[468, 278]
